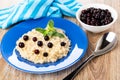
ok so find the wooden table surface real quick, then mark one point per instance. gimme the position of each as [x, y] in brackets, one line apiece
[106, 67]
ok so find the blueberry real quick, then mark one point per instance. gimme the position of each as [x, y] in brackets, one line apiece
[45, 54]
[50, 45]
[97, 16]
[83, 18]
[25, 37]
[40, 43]
[36, 51]
[108, 14]
[46, 38]
[34, 39]
[62, 43]
[83, 11]
[88, 14]
[21, 45]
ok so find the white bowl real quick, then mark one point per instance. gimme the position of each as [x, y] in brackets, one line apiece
[97, 29]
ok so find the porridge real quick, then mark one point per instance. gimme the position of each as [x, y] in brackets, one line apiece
[43, 45]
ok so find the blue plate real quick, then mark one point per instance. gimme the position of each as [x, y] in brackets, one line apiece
[79, 44]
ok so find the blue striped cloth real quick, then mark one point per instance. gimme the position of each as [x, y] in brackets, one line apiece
[33, 9]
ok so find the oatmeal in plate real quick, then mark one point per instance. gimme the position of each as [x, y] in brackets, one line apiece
[43, 45]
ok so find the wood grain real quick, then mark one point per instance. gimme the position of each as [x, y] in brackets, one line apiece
[106, 67]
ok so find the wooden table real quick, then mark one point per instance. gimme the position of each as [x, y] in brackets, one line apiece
[106, 67]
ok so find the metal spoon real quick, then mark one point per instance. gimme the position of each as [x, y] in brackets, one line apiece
[105, 44]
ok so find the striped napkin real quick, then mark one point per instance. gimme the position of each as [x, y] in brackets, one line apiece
[33, 9]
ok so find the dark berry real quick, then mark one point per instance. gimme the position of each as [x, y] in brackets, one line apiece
[40, 43]
[62, 43]
[97, 16]
[93, 22]
[82, 15]
[34, 39]
[21, 45]
[45, 54]
[88, 22]
[105, 22]
[102, 21]
[91, 9]
[103, 13]
[99, 10]
[107, 10]
[88, 10]
[88, 14]
[108, 14]
[25, 37]
[102, 17]
[82, 19]
[111, 19]
[97, 23]
[46, 38]
[36, 51]
[50, 45]
[85, 15]
[83, 11]
[95, 11]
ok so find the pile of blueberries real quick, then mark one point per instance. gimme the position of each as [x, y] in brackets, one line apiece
[96, 16]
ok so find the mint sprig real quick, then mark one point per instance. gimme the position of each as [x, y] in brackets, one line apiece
[50, 30]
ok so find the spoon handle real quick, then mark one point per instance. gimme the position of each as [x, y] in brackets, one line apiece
[76, 71]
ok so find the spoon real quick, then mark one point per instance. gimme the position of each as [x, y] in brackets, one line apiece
[105, 44]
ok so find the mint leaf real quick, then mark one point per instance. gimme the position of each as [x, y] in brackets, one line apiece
[40, 30]
[59, 35]
[51, 33]
[50, 26]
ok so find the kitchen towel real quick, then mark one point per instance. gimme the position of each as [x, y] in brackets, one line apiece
[33, 9]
